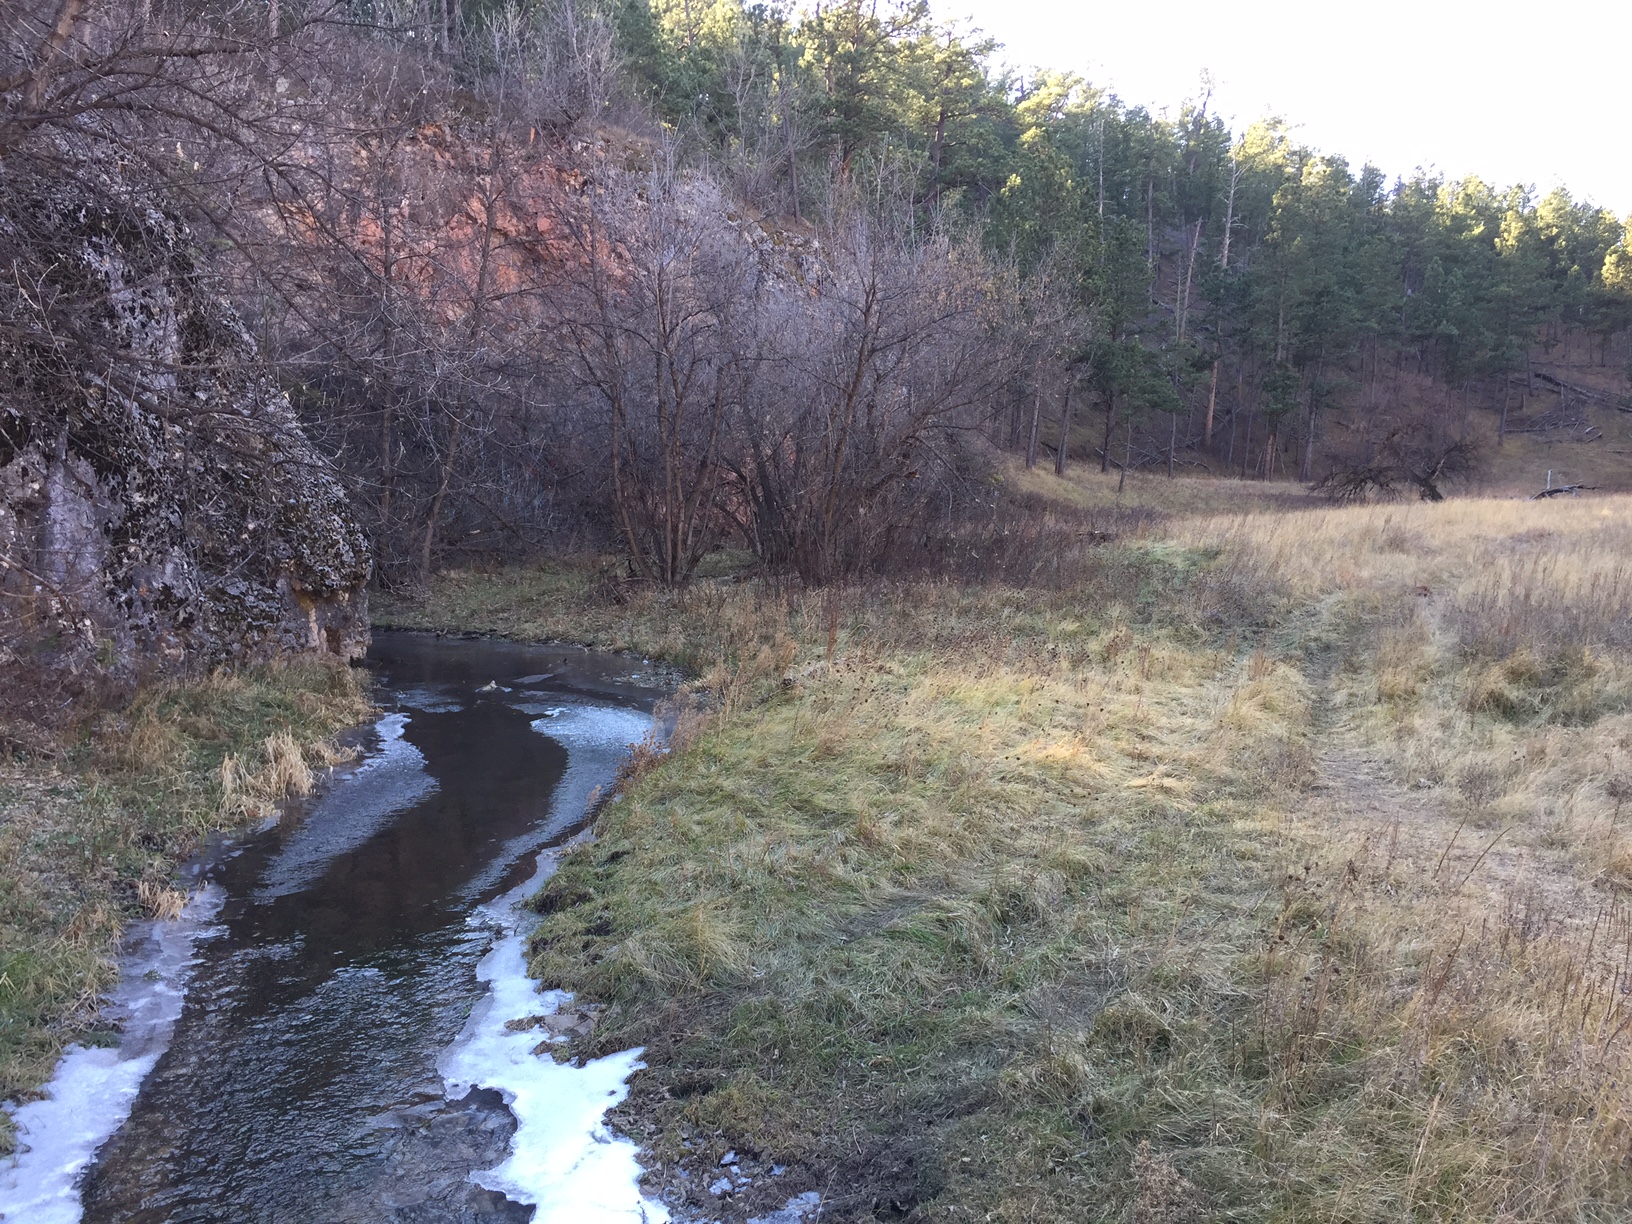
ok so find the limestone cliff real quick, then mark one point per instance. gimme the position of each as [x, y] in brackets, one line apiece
[160, 507]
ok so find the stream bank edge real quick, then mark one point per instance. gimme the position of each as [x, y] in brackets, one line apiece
[94, 836]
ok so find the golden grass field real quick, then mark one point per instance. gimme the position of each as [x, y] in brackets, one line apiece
[1274, 869]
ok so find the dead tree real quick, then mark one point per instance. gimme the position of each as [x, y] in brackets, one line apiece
[1408, 457]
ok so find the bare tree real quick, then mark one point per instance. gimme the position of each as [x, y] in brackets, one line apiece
[1410, 455]
[879, 378]
[658, 320]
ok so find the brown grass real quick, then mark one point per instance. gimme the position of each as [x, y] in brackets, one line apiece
[1274, 867]
[1449, 970]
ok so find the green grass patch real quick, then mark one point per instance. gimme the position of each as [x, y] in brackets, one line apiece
[953, 923]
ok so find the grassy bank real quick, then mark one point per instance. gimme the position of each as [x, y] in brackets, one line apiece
[1268, 867]
[92, 838]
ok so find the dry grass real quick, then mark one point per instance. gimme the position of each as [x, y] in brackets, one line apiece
[1273, 868]
[1456, 972]
[971, 898]
[1085, 487]
[92, 838]
[1521, 464]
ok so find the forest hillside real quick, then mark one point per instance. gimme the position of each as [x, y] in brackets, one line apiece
[1159, 292]
[561, 276]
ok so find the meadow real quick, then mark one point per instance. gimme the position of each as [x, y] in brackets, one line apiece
[1220, 855]
[1267, 863]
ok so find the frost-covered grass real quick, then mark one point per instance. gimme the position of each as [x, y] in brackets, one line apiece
[91, 838]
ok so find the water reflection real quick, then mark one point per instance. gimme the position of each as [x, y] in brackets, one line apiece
[301, 1084]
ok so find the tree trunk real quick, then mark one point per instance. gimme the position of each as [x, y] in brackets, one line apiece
[1110, 423]
[388, 349]
[61, 29]
[387, 468]
[1127, 458]
[1150, 214]
[1036, 419]
[429, 542]
[935, 159]
[1099, 131]
[1229, 213]
[1189, 279]
[1212, 399]
[793, 164]
[1065, 431]
[1308, 460]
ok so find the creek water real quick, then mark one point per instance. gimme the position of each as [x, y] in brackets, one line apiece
[340, 1052]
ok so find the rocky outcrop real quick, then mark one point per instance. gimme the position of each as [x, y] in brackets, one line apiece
[160, 507]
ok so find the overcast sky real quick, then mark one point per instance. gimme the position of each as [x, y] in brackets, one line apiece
[1539, 93]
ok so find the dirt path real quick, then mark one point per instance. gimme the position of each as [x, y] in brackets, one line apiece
[1434, 847]
[1441, 843]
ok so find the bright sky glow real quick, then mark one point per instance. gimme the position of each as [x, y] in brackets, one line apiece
[1533, 94]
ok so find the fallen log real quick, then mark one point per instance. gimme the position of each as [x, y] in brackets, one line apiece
[1586, 393]
[1573, 490]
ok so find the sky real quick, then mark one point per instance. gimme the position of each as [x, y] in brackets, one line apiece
[1535, 94]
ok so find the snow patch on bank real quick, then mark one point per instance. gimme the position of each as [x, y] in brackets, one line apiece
[798, 1210]
[563, 1158]
[92, 1090]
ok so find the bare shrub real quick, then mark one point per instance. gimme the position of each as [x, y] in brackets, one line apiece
[880, 379]
[1414, 455]
[659, 318]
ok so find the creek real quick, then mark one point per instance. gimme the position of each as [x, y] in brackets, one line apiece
[330, 1041]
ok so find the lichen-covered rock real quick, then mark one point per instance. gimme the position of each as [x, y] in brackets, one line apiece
[160, 507]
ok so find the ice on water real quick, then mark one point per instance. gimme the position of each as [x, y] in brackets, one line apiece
[91, 1092]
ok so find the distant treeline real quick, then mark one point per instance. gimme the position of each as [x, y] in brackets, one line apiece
[1217, 274]
[667, 276]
